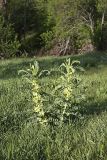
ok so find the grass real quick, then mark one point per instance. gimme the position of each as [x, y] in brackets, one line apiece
[22, 139]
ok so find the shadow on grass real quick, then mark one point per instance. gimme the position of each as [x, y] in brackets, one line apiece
[10, 70]
[94, 108]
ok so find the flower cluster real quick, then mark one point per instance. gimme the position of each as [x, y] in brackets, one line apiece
[38, 102]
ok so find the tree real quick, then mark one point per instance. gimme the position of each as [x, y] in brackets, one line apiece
[9, 45]
[93, 15]
[30, 19]
[68, 29]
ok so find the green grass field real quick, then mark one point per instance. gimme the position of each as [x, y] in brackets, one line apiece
[20, 136]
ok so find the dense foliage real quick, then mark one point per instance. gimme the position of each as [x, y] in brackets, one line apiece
[57, 26]
[9, 44]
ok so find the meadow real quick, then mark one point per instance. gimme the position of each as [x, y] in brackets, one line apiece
[21, 138]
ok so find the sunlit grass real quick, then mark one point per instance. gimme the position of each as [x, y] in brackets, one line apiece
[22, 139]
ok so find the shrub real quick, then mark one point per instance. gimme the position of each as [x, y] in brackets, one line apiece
[9, 45]
[47, 38]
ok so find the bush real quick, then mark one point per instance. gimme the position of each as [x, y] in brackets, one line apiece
[47, 38]
[9, 45]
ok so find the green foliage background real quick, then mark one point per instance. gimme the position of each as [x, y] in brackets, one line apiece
[64, 24]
